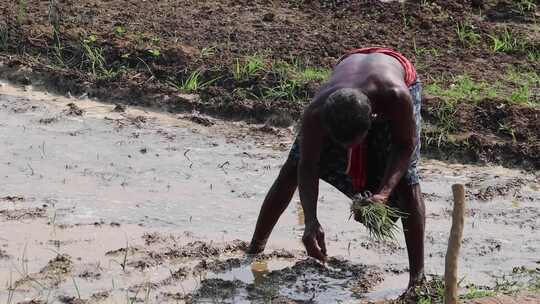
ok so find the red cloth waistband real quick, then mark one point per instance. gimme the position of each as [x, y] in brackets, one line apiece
[410, 71]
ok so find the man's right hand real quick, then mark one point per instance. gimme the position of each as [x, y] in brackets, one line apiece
[313, 240]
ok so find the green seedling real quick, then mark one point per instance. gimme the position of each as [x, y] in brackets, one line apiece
[312, 74]
[525, 6]
[474, 292]
[379, 219]
[466, 34]
[154, 52]
[4, 37]
[506, 42]
[421, 51]
[76, 287]
[94, 57]
[208, 51]
[22, 9]
[522, 94]
[193, 82]
[119, 30]
[246, 70]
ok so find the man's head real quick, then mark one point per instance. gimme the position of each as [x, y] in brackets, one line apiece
[347, 116]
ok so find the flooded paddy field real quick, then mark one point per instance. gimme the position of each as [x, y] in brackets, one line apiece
[107, 204]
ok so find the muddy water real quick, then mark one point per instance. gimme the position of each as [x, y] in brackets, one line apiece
[177, 194]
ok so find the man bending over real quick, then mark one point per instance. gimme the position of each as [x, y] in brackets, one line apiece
[360, 133]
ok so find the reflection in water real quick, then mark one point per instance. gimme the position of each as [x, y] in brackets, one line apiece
[260, 270]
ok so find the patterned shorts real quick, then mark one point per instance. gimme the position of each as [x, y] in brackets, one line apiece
[333, 162]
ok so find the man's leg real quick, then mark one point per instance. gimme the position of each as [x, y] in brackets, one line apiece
[275, 202]
[411, 202]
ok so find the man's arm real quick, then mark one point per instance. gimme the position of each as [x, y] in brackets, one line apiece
[311, 141]
[404, 140]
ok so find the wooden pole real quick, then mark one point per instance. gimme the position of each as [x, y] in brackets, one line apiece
[454, 244]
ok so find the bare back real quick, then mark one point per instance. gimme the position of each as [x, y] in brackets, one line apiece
[374, 74]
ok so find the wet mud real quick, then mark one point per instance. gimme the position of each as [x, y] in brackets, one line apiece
[113, 205]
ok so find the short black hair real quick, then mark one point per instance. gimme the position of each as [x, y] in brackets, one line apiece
[346, 114]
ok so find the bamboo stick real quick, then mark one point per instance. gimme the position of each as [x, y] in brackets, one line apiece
[454, 245]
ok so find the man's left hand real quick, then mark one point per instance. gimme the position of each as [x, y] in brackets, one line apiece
[377, 198]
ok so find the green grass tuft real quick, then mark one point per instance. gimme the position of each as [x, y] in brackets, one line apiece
[193, 82]
[291, 79]
[22, 10]
[466, 34]
[4, 37]
[525, 6]
[250, 67]
[93, 57]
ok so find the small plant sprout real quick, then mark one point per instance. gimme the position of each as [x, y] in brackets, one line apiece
[22, 10]
[94, 57]
[507, 42]
[119, 30]
[154, 52]
[250, 67]
[76, 287]
[193, 82]
[525, 6]
[208, 51]
[466, 34]
[4, 37]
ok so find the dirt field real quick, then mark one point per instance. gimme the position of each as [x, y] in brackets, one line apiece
[254, 60]
[103, 204]
[148, 195]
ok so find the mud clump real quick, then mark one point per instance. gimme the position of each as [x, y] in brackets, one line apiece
[143, 264]
[489, 246]
[180, 274]
[90, 275]
[4, 255]
[100, 296]
[48, 121]
[381, 246]
[155, 238]
[201, 250]
[199, 119]
[20, 214]
[71, 300]
[137, 121]
[73, 110]
[500, 190]
[178, 296]
[218, 289]
[12, 198]
[60, 265]
[218, 266]
[53, 274]
[119, 108]
[338, 273]
[280, 254]
[122, 251]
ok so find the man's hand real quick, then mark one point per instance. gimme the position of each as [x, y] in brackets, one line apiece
[377, 198]
[313, 240]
